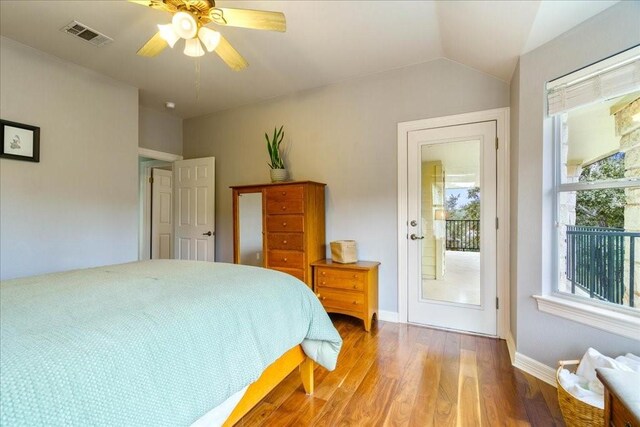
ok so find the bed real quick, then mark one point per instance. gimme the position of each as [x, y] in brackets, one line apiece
[158, 343]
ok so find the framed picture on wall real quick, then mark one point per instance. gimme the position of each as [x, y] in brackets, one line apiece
[19, 141]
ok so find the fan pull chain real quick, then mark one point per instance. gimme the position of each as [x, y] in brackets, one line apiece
[197, 79]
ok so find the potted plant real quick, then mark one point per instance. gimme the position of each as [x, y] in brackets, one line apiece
[278, 171]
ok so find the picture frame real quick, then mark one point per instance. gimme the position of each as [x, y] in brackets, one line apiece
[19, 141]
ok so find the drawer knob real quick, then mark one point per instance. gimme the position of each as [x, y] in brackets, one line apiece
[284, 242]
[284, 208]
[324, 273]
[284, 224]
[284, 259]
[355, 276]
[355, 302]
[324, 283]
[355, 286]
[284, 193]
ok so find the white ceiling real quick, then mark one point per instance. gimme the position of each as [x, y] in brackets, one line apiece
[325, 42]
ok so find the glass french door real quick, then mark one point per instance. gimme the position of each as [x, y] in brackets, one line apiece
[452, 227]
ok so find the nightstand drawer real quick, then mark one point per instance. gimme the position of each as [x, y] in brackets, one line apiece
[350, 289]
[620, 414]
[340, 300]
[277, 207]
[287, 241]
[285, 223]
[341, 279]
[285, 259]
[286, 192]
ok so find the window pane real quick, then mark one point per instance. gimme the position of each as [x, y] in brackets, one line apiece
[599, 245]
[595, 139]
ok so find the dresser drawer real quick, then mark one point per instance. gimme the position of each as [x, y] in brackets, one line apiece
[293, 223]
[285, 259]
[298, 274]
[285, 192]
[355, 281]
[287, 241]
[283, 207]
[340, 300]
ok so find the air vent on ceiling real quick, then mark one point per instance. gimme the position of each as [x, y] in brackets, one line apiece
[85, 33]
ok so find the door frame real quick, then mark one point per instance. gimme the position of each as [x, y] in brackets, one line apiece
[158, 159]
[501, 117]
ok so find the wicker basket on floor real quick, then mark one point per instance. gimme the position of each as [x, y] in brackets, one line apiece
[576, 413]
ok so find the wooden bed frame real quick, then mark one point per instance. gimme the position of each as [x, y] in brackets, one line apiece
[270, 378]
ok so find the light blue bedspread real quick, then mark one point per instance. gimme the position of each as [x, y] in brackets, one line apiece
[153, 343]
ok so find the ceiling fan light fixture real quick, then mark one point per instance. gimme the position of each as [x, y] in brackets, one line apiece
[209, 38]
[192, 47]
[184, 25]
[168, 34]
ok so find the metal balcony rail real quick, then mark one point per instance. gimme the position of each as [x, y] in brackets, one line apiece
[596, 262]
[463, 235]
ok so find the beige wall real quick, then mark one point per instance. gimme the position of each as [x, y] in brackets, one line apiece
[160, 131]
[346, 136]
[78, 207]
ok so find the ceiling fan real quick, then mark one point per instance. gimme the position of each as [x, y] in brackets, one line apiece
[190, 20]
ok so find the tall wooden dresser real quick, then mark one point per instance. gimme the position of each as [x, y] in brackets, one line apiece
[293, 226]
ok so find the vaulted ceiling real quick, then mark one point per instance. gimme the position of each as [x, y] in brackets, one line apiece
[326, 42]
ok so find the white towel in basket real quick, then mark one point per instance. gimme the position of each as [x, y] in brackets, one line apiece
[585, 385]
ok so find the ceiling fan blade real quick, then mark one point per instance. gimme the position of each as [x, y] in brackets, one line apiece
[154, 46]
[156, 4]
[230, 56]
[247, 18]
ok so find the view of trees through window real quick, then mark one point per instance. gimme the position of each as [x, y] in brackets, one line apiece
[469, 209]
[602, 208]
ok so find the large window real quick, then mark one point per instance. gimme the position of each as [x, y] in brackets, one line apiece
[596, 115]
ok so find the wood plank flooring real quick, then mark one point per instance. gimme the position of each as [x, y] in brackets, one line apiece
[403, 375]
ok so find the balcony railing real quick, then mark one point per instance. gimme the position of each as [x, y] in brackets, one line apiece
[463, 235]
[596, 262]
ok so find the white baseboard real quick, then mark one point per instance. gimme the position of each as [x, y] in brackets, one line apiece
[388, 316]
[535, 368]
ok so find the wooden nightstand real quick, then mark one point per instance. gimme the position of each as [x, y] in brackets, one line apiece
[621, 397]
[350, 289]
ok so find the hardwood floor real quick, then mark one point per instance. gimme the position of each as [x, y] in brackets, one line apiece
[402, 375]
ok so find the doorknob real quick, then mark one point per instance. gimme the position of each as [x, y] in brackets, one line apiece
[413, 223]
[208, 233]
[414, 237]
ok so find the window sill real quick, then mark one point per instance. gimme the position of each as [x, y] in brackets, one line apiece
[615, 322]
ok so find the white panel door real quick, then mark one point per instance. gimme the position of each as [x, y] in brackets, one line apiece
[452, 227]
[194, 210]
[161, 214]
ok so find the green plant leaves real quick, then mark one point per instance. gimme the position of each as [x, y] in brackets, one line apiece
[273, 148]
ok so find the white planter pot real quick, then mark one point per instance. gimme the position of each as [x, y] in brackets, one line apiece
[278, 175]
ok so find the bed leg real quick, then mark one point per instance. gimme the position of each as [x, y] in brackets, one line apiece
[306, 372]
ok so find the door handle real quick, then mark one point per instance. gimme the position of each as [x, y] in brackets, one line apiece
[208, 233]
[414, 237]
